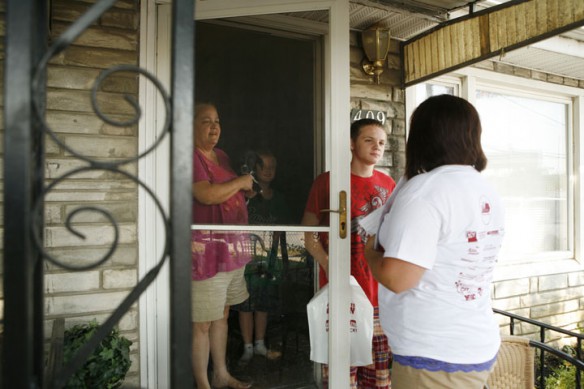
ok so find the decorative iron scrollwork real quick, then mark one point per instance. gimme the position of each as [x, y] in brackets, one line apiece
[115, 166]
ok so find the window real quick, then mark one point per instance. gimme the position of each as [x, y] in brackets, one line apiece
[434, 88]
[525, 140]
[527, 137]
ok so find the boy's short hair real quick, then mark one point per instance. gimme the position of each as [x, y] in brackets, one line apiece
[359, 124]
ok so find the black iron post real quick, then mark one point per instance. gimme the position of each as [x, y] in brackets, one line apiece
[23, 360]
[182, 94]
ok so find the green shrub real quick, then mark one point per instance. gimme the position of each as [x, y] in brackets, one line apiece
[561, 374]
[562, 377]
[106, 367]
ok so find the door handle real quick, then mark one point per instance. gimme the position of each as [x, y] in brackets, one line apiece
[342, 211]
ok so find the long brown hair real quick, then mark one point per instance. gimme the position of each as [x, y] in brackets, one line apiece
[444, 130]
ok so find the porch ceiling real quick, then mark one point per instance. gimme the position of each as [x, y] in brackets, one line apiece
[562, 55]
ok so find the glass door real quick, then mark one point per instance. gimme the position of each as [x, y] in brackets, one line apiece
[266, 106]
[282, 118]
[271, 77]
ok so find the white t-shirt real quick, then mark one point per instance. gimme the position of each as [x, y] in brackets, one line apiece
[451, 222]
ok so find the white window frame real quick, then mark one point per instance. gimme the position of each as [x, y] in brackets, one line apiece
[486, 85]
[446, 80]
[467, 80]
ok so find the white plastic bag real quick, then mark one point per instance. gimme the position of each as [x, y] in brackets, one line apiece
[360, 326]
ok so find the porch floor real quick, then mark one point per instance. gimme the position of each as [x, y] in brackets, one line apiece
[290, 365]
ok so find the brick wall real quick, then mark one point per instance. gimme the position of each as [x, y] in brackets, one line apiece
[82, 296]
[555, 299]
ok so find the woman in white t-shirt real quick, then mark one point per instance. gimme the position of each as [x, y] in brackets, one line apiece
[438, 245]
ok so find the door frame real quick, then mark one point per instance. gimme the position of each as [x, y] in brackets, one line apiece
[153, 170]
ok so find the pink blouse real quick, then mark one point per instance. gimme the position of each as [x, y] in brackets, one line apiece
[214, 252]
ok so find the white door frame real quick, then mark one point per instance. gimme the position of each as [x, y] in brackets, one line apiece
[153, 170]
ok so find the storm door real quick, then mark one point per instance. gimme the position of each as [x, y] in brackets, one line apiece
[278, 74]
[263, 82]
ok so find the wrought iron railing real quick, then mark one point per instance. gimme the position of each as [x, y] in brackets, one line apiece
[544, 348]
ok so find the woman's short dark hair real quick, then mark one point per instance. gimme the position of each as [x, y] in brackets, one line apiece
[201, 104]
[444, 130]
[357, 125]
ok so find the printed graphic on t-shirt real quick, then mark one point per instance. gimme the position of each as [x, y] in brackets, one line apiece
[366, 205]
[473, 282]
[485, 210]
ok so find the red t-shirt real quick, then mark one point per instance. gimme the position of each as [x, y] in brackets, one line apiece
[367, 194]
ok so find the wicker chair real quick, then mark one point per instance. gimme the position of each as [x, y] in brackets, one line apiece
[515, 365]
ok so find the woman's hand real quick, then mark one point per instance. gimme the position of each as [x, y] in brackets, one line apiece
[247, 188]
[245, 182]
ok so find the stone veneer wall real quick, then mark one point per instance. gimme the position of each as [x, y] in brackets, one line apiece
[85, 295]
[557, 298]
[92, 294]
[387, 96]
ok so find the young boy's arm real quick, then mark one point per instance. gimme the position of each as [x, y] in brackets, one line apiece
[312, 241]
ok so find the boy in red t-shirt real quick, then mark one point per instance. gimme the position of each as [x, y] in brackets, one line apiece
[370, 189]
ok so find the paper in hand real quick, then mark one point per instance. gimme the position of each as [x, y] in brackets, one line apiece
[372, 222]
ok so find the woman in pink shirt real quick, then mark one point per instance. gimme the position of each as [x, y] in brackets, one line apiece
[218, 258]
